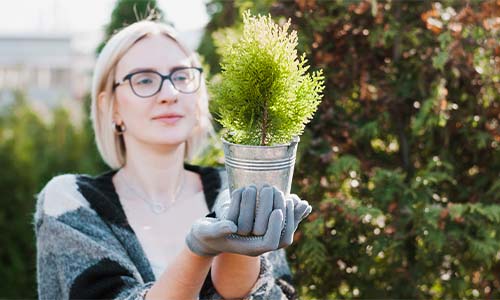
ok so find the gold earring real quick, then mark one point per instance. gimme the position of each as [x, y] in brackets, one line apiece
[118, 129]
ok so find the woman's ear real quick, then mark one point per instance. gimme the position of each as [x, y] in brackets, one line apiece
[101, 101]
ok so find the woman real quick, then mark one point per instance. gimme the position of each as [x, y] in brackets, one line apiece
[156, 227]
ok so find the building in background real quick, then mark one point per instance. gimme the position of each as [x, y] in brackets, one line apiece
[44, 67]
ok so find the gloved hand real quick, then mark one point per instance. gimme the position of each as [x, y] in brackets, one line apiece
[251, 215]
[211, 236]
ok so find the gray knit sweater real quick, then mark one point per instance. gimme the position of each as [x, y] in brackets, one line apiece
[86, 248]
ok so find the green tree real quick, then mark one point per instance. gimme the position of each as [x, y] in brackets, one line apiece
[127, 12]
[401, 161]
[18, 183]
[222, 14]
[32, 151]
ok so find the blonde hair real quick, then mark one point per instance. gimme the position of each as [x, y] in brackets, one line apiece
[112, 146]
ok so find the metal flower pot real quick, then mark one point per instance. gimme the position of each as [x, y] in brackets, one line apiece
[246, 164]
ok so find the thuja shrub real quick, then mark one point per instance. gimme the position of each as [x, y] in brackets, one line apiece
[265, 95]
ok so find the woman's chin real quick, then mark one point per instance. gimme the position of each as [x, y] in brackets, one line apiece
[170, 140]
[171, 137]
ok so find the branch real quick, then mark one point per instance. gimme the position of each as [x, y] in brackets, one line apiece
[264, 125]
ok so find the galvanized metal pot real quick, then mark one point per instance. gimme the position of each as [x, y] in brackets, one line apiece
[246, 164]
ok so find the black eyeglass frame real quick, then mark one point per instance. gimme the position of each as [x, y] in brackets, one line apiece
[163, 78]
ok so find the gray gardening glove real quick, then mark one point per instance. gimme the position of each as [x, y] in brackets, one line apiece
[211, 236]
[251, 215]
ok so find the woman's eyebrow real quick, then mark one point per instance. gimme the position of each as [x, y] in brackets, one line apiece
[179, 67]
[156, 70]
[141, 69]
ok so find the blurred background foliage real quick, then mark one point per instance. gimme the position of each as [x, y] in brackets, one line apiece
[401, 161]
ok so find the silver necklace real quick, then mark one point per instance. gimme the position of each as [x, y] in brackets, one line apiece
[156, 207]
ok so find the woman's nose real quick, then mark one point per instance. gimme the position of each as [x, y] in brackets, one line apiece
[167, 92]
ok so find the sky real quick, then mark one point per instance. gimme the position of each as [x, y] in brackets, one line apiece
[86, 18]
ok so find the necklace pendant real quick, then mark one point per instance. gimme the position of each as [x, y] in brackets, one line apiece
[158, 208]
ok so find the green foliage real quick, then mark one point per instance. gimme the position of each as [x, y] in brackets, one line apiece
[31, 152]
[401, 161]
[213, 154]
[223, 14]
[264, 94]
[127, 12]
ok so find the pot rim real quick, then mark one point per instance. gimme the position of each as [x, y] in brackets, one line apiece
[295, 139]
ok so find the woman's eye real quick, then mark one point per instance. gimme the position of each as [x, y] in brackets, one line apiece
[182, 76]
[143, 81]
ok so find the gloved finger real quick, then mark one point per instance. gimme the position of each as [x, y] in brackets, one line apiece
[279, 202]
[212, 228]
[223, 228]
[308, 211]
[222, 204]
[304, 215]
[299, 210]
[273, 233]
[287, 233]
[263, 210]
[247, 210]
[295, 198]
[234, 207]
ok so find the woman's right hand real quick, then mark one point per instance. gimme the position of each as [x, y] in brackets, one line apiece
[247, 226]
[251, 214]
[211, 236]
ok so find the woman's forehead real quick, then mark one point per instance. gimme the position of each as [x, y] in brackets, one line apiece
[157, 52]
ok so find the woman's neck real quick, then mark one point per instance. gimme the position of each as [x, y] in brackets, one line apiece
[156, 171]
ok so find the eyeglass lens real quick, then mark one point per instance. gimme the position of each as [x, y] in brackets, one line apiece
[148, 83]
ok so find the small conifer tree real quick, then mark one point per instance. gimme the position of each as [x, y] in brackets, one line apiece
[264, 94]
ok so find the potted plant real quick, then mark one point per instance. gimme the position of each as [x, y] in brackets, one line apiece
[264, 97]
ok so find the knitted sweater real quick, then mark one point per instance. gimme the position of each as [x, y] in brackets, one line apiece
[86, 248]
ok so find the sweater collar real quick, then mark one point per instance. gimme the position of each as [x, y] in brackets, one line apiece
[103, 198]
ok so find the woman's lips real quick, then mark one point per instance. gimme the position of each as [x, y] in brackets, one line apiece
[169, 120]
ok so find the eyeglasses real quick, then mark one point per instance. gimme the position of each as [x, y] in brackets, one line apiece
[148, 83]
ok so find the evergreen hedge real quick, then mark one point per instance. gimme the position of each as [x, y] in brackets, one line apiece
[401, 161]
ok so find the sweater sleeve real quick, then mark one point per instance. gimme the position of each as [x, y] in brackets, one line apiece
[78, 257]
[274, 281]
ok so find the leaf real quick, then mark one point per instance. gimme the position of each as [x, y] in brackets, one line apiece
[343, 165]
[440, 60]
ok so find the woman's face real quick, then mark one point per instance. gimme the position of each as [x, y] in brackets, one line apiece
[151, 120]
